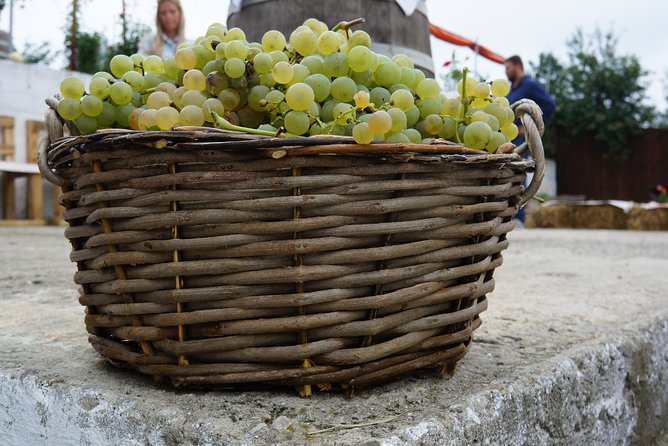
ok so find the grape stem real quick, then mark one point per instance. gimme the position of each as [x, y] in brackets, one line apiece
[223, 123]
[347, 25]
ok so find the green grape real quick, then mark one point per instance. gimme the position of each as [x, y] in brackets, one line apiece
[413, 135]
[342, 113]
[190, 97]
[428, 89]
[433, 124]
[256, 95]
[479, 116]
[121, 64]
[359, 38]
[185, 59]
[166, 118]
[407, 76]
[230, 98]
[305, 41]
[220, 50]
[387, 74]
[380, 59]
[313, 111]
[170, 67]
[136, 100]
[282, 72]
[253, 51]
[133, 118]
[412, 116]
[396, 87]
[429, 107]
[500, 88]
[212, 105]
[403, 61]
[103, 75]
[299, 96]
[403, 99]
[191, 115]
[296, 122]
[69, 109]
[510, 115]
[234, 34]
[279, 56]
[273, 41]
[152, 64]
[338, 130]
[262, 63]
[72, 87]
[360, 59]
[216, 29]
[235, 68]
[121, 114]
[498, 111]
[495, 141]
[299, 74]
[449, 128]
[398, 138]
[380, 122]
[510, 131]
[138, 59]
[362, 99]
[502, 101]
[493, 123]
[477, 135]
[158, 99]
[86, 124]
[91, 105]
[135, 80]
[211, 66]
[379, 96]
[335, 65]
[398, 119]
[362, 133]
[479, 102]
[166, 87]
[450, 106]
[316, 26]
[320, 85]
[151, 80]
[418, 76]
[274, 97]
[194, 80]
[343, 89]
[460, 132]
[328, 43]
[236, 48]
[177, 97]
[363, 78]
[120, 93]
[471, 82]
[327, 111]
[250, 118]
[481, 90]
[99, 87]
[268, 128]
[108, 115]
[314, 63]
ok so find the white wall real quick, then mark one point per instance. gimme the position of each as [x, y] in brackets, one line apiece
[23, 89]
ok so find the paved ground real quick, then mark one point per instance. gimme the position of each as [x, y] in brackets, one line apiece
[573, 349]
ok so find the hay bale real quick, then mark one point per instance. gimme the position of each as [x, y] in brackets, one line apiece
[641, 219]
[580, 216]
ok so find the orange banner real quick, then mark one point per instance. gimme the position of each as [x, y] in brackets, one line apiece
[447, 36]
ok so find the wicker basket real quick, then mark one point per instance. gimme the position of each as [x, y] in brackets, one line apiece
[210, 258]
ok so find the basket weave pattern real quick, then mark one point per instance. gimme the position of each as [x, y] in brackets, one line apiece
[203, 261]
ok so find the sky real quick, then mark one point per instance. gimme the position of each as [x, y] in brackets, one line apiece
[524, 27]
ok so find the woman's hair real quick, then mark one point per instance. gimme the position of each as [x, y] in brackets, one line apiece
[157, 38]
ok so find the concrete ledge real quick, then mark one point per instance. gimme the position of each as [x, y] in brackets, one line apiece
[574, 350]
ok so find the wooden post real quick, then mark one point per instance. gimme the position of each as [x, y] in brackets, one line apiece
[34, 196]
[7, 154]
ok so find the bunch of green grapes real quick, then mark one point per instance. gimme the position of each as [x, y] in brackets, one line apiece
[315, 81]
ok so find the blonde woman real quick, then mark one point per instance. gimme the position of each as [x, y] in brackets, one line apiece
[170, 24]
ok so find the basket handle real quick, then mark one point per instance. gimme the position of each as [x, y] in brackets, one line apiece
[54, 127]
[532, 119]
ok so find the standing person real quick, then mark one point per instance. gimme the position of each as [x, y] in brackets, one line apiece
[170, 24]
[524, 87]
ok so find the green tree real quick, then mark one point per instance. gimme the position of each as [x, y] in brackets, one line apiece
[40, 53]
[598, 92]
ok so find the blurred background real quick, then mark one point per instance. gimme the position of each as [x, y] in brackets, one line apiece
[603, 62]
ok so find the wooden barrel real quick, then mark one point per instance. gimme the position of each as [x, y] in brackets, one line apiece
[390, 29]
[5, 45]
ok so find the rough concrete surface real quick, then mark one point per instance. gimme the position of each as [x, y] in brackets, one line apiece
[573, 350]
